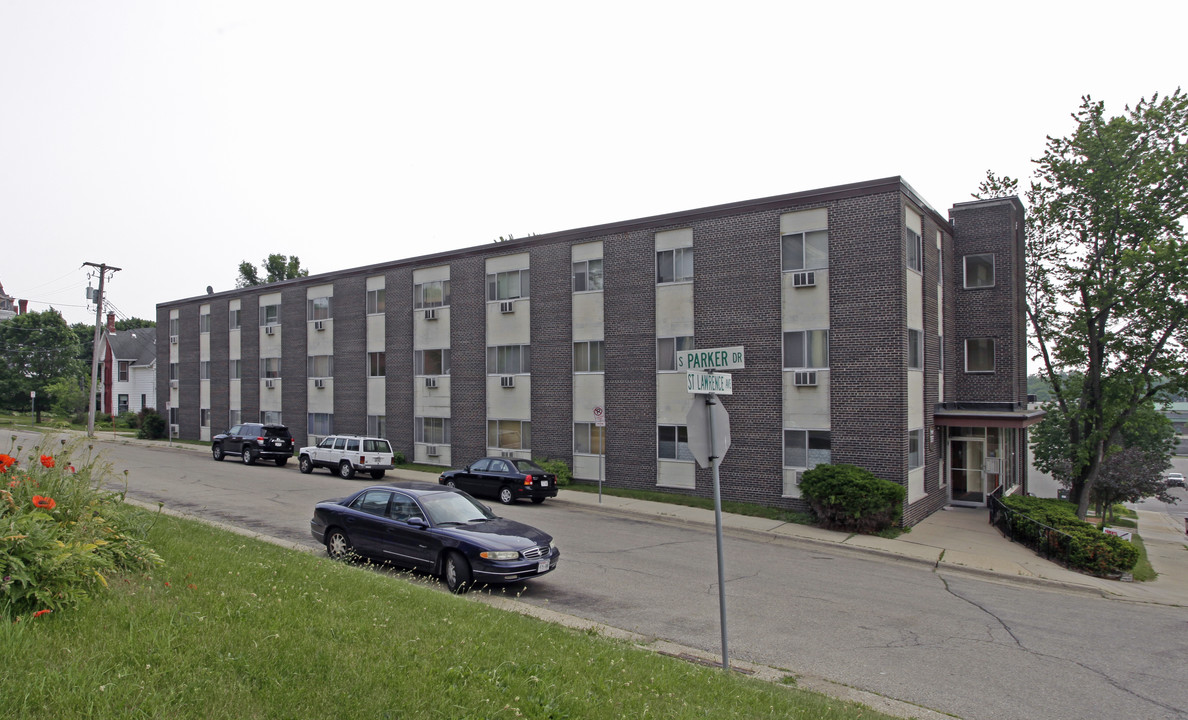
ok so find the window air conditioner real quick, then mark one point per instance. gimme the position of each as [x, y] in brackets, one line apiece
[507, 306]
[431, 450]
[172, 339]
[805, 378]
[269, 329]
[430, 382]
[319, 383]
[173, 383]
[319, 324]
[269, 384]
[507, 381]
[507, 453]
[174, 430]
[430, 313]
[804, 279]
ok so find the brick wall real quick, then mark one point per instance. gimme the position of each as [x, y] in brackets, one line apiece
[468, 359]
[398, 331]
[551, 329]
[220, 400]
[294, 340]
[350, 355]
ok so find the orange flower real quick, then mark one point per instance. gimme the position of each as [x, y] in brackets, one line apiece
[39, 613]
[47, 461]
[6, 461]
[44, 502]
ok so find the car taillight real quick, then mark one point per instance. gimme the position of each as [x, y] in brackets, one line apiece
[362, 460]
[260, 440]
[527, 479]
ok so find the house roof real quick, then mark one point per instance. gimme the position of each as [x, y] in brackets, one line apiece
[138, 345]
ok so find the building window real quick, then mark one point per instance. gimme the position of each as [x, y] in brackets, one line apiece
[431, 362]
[667, 349]
[376, 364]
[672, 442]
[805, 250]
[979, 355]
[806, 349]
[173, 370]
[979, 271]
[174, 327]
[915, 449]
[507, 285]
[674, 265]
[270, 314]
[122, 368]
[915, 251]
[509, 434]
[587, 275]
[508, 360]
[233, 320]
[204, 370]
[235, 370]
[204, 417]
[807, 448]
[589, 439]
[375, 301]
[174, 415]
[432, 430]
[940, 354]
[270, 417]
[320, 424]
[588, 356]
[319, 366]
[270, 367]
[915, 349]
[431, 294]
[940, 259]
[377, 426]
[317, 308]
[204, 322]
[234, 417]
[121, 404]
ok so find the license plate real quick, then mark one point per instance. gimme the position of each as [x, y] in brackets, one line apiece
[543, 566]
[278, 443]
[544, 483]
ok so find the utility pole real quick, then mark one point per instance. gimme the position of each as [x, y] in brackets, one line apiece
[103, 270]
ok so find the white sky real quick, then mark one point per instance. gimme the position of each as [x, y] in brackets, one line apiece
[174, 139]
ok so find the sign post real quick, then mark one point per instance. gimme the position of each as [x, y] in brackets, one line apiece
[708, 427]
[600, 421]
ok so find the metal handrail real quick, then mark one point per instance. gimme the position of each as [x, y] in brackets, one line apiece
[1046, 540]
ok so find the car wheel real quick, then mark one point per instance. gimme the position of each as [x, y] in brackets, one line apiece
[217, 452]
[346, 470]
[450, 483]
[505, 495]
[377, 474]
[537, 500]
[338, 545]
[282, 461]
[305, 464]
[249, 456]
[457, 573]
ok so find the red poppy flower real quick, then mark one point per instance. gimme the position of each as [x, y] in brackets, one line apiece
[46, 503]
[39, 613]
[47, 461]
[6, 461]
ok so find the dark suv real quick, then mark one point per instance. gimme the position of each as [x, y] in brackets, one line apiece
[254, 440]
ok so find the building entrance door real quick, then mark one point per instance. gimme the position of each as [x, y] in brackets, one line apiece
[967, 471]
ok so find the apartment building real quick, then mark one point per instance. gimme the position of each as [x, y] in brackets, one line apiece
[876, 332]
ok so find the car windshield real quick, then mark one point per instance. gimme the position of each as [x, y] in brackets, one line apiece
[453, 507]
[528, 467]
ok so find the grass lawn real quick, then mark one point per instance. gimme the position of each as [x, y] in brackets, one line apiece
[232, 627]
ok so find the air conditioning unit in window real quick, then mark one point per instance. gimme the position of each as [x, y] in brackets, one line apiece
[431, 450]
[507, 381]
[320, 383]
[173, 384]
[430, 313]
[174, 430]
[507, 453]
[269, 329]
[804, 279]
[319, 324]
[172, 339]
[269, 384]
[507, 306]
[805, 378]
[430, 382]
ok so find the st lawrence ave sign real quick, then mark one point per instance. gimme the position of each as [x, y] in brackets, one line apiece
[704, 383]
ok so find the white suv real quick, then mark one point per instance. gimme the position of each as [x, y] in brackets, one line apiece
[348, 454]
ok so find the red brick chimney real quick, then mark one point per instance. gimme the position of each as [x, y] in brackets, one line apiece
[23, 305]
[110, 322]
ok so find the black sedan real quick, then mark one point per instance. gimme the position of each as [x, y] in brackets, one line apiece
[434, 529]
[504, 478]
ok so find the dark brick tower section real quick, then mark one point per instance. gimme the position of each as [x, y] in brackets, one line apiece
[190, 389]
[294, 388]
[220, 400]
[999, 312]
[249, 352]
[868, 334]
[737, 301]
[398, 343]
[162, 361]
[629, 297]
[551, 328]
[349, 309]
[468, 359]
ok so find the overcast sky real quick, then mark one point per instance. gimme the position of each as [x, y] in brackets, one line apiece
[175, 139]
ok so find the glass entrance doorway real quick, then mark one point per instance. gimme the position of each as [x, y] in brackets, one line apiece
[967, 471]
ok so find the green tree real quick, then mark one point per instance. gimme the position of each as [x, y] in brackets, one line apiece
[1107, 277]
[36, 349]
[276, 268]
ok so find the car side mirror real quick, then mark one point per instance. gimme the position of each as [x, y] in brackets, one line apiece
[418, 521]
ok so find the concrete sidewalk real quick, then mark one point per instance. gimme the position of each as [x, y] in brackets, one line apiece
[954, 539]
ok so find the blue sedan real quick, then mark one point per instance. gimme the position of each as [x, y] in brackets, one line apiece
[433, 529]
